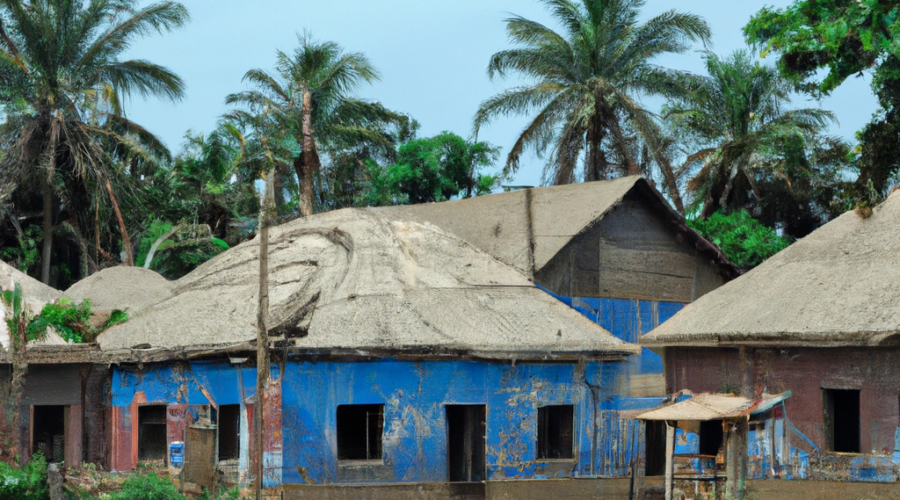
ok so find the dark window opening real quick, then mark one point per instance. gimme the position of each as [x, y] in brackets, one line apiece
[359, 430]
[555, 432]
[711, 437]
[655, 436]
[229, 431]
[152, 432]
[465, 442]
[48, 432]
[842, 420]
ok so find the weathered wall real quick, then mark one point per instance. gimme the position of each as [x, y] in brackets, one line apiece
[629, 320]
[806, 371]
[189, 391]
[632, 253]
[414, 395]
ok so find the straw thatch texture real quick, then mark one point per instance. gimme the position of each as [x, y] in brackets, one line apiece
[503, 224]
[36, 294]
[839, 286]
[354, 279]
[131, 289]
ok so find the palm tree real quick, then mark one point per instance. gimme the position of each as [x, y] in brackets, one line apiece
[310, 99]
[739, 124]
[586, 81]
[60, 67]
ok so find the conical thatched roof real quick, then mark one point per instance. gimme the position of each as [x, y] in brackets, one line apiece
[131, 289]
[839, 286]
[357, 281]
[527, 228]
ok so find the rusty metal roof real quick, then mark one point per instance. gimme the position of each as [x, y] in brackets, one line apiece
[703, 407]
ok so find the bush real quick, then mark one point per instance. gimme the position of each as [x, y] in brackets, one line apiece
[26, 483]
[147, 487]
[745, 241]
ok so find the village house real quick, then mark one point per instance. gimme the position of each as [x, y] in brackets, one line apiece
[821, 319]
[412, 346]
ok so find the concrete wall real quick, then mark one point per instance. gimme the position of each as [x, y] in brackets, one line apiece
[806, 372]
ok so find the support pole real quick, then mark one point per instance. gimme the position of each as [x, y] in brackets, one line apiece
[262, 332]
[670, 460]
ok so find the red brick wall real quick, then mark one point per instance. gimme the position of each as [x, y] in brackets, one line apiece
[804, 371]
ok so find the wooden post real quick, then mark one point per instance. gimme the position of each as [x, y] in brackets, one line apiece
[670, 460]
[736, 461]
[262, 333]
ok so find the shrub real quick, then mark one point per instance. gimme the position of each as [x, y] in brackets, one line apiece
[147, 487]
[745, 241]
[26, 483]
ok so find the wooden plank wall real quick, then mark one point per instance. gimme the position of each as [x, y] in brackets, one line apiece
[632, 253]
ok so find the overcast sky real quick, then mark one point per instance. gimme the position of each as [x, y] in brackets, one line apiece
[432, 56]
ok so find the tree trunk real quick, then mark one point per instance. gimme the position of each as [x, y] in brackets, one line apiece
[310, 159]
[48, 233]
[595, 158]
[126, 241]
[17, 345]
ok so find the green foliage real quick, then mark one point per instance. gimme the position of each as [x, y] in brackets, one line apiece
[438, 168]
[156, 229]
[840, 39]
[186, 249]
[68, 319]
[585, 83]
[745, 241]
[15, 302]
[149, 486]
[115, 317]
[26, 483]
[27, 253]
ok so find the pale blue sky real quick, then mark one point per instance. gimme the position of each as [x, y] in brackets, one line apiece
[432, 55]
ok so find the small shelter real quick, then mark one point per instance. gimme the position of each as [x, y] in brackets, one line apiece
[719, 426]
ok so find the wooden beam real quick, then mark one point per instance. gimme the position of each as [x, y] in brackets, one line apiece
[670, 460]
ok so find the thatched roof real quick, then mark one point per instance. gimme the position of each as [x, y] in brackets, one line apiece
[355, 281]
[839, 286]
[36, 293]
[131, 289]
[706, 407]
[527, 228]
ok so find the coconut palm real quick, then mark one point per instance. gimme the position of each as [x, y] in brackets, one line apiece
[63, 82]
[309, 98]
[585, 82]
[738, 120]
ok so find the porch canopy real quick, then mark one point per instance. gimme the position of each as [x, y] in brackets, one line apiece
[735, 410]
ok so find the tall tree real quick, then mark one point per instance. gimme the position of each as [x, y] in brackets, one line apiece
[310, 98]
[63, 81]
[823, 42]
[746, 140]
[586, 81]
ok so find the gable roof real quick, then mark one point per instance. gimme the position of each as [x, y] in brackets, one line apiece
[355, 281]
[527, 228]
[839, 286]
[131, 289]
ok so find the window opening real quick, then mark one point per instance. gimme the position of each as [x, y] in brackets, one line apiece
[152, 432]
[359, 432]
[555, 426]
[229, 431]
[48, 432]
[465, 442]
[842, 420]
[711, 437]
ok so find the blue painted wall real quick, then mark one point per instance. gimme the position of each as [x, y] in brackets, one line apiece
[415, 429]
[628, 320]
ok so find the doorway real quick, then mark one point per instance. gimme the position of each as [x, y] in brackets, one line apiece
[48, 430]
[465, 442]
